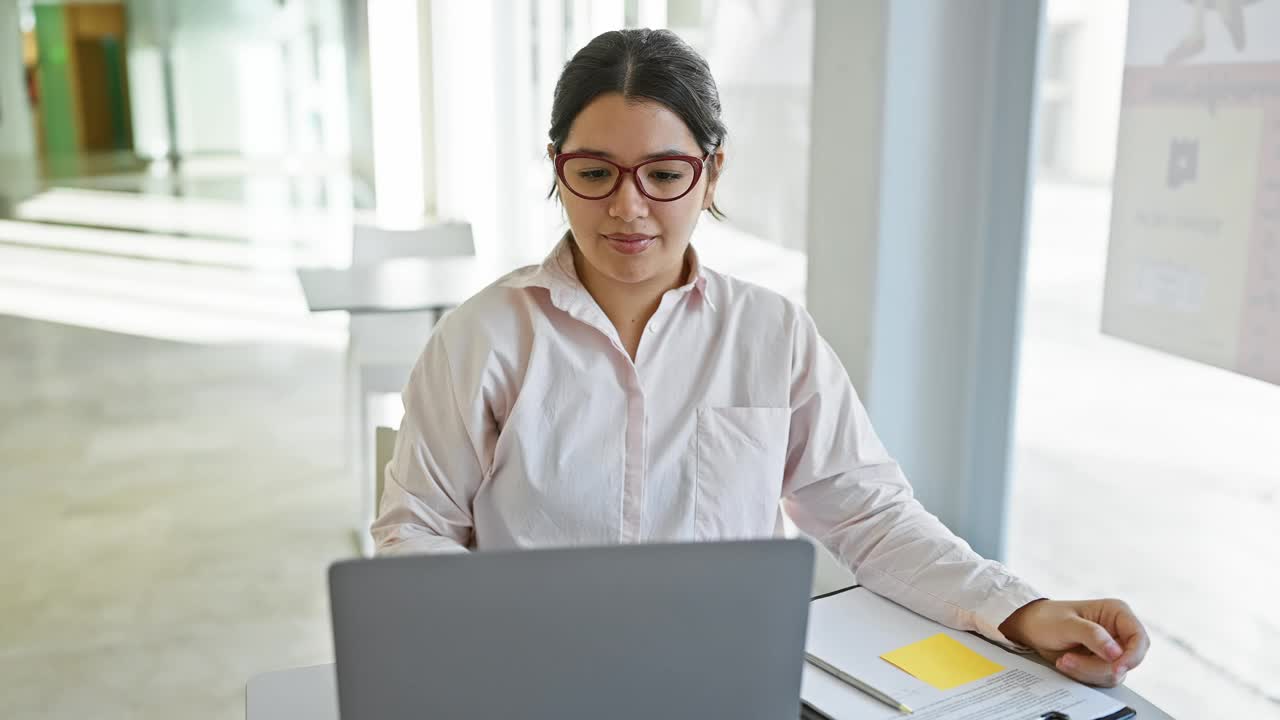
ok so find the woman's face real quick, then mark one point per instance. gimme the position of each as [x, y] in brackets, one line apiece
[626, 238]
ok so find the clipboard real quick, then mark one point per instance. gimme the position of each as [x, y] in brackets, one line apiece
[875, 625]
[809, 712]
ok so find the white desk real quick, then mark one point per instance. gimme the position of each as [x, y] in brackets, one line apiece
[305, 693]
[311, 693]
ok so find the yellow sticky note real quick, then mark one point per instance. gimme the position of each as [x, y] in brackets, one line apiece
[942, 661]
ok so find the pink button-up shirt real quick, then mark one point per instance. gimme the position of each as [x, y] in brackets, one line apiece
[528, 425]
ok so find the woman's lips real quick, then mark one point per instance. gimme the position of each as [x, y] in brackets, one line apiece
[630, 244]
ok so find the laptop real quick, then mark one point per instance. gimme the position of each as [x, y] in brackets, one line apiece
[692, 630]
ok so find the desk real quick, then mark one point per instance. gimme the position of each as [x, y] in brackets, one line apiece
[311, 693]
[305, 693]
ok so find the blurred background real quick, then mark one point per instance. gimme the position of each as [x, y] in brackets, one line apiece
[185, 446]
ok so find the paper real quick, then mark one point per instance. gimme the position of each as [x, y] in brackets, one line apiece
[942, 662]
[837, 700]
[853, 629]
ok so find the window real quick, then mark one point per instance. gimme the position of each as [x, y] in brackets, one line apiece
[760, 54]
[1137, 473]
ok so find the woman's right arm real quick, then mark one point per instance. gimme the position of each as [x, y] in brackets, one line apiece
[443, 447]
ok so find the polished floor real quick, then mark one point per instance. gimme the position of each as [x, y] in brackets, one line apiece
[169, 510]
[172, 484]
[172, 480]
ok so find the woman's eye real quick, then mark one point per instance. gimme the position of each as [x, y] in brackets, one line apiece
[665, 177]
[596, 174]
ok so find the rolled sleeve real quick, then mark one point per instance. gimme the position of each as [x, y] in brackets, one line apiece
[437, 466]
[842, 488]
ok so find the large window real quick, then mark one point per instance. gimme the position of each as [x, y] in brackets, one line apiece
[1137, 474]
[761, 56]
[249, 78]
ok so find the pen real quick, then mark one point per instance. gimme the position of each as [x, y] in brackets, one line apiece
[855, 682]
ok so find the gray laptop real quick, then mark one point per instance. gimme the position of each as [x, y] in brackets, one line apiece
[703, 630]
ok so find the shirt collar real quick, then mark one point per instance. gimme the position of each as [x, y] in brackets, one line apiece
[558, 275]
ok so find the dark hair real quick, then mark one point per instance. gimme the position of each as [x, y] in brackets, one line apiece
[642, 64]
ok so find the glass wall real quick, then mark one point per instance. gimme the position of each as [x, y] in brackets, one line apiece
[249, 77]
[1138, 474]
[759, 52]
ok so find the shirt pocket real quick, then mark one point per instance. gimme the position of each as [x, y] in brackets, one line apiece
[741, 456]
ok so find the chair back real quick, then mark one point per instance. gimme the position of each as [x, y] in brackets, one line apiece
[372, 244]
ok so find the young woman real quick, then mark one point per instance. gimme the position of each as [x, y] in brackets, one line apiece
[621, 392]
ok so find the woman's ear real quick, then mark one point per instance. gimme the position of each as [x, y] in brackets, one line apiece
[714, 169]
[551, 151]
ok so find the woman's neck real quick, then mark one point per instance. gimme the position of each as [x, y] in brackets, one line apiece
[627, 305]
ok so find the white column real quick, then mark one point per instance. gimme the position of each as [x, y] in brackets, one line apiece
[487, 140]
[390, 107]
[467, 160]
[919, 188]
[396, 60]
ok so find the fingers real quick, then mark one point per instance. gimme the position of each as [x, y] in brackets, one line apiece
[1134, 636]
[1089, 669]
[1096, 638]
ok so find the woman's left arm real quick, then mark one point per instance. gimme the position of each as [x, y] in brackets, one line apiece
[842, 488]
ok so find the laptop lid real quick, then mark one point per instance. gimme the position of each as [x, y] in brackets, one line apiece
[634, 631]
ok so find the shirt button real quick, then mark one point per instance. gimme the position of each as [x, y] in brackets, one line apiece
[653, 327]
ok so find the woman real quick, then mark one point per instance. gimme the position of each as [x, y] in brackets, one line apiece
[622, 392]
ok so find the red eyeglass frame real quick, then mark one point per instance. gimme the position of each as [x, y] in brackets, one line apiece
[697, 163]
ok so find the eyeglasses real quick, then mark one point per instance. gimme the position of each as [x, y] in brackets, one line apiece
[662, 179]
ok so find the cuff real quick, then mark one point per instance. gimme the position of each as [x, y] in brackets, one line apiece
[997, 608]
[419, 545]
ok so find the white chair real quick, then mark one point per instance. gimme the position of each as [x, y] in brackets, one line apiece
[372, 244]
[382, 347]
[384, 446]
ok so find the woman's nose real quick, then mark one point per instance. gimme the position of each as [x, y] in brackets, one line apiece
[627, 203]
